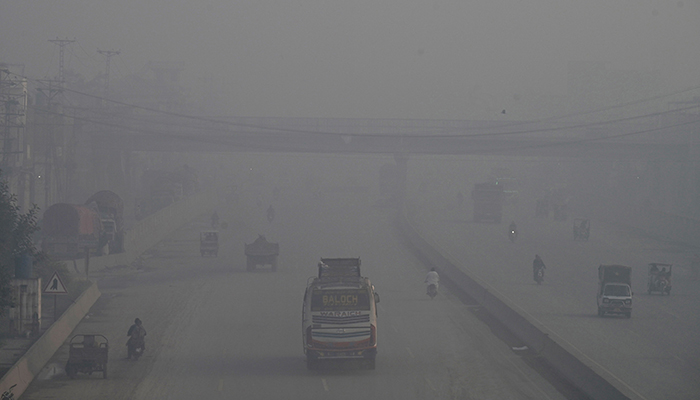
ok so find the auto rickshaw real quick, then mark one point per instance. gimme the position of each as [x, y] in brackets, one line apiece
[659, 278]
[87, 354]
[209, 243]
[582, 228]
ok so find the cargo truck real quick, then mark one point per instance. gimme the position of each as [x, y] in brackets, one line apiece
[69, 229]
[111, 209]
[614, 290]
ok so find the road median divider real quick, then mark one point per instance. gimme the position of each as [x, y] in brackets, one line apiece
[573, 365]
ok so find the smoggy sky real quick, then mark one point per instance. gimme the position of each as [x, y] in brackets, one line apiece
[382, 58]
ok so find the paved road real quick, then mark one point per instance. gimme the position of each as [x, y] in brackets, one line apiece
[216, 331]
[657, 351]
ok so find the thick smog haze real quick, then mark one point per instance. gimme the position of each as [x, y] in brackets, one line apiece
[392, 59]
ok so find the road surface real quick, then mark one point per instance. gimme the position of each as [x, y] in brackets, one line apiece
[216, 331]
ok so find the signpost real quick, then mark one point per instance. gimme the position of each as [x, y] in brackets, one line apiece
[55, 287]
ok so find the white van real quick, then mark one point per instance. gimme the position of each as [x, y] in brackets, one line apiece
[339, 318]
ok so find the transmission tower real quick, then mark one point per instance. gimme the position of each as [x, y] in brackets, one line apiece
[108, 55]
[61, 44]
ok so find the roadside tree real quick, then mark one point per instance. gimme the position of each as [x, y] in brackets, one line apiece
[16, 230]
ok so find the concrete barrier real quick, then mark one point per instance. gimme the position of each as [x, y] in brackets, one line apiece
[31, 363]
[572, 364]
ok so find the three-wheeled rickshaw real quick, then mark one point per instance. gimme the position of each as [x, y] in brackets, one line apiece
[87, 354]
[582, 228]
[209, 243]
[659, 278]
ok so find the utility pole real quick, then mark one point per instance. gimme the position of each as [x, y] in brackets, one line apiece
[61, 44]
[13, 118]
[49, 114]
[52, 114]
[108, 55]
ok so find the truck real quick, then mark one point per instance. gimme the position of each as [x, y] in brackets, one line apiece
[261, 252]
[614, 290]
[111, 209]
[488, 202]
[339, 315]
[68, 229]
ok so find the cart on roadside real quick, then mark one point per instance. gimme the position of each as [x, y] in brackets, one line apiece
[659, 278]
[87, 354]
[209, 243]
[582, 229]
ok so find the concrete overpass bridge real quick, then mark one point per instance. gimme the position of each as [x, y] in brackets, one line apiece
[666, 151]
[673, 138]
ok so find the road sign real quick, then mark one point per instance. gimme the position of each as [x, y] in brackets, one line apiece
[55, 285]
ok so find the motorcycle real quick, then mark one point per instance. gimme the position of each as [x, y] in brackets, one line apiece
[539, 276]
[432, 290]
[512, 235]
[135, 348]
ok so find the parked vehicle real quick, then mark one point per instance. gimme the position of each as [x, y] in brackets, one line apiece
[582, 229]
[111, 210]
[209, 243]
[488, 202]
[69, 229]
[659, 278]
[87, 354]
[614, 290]
[261, 252]
[339, 315]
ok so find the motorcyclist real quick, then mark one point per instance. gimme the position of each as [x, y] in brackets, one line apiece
[433, 279]
[537, 265]
[513, 229]
[654, 271]
[136, 335]
[270, 213]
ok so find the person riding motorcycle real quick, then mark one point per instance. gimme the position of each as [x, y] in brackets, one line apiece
[136, 335]
[537, 265]
[432, 279]
[512, 231]
[214, 220]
